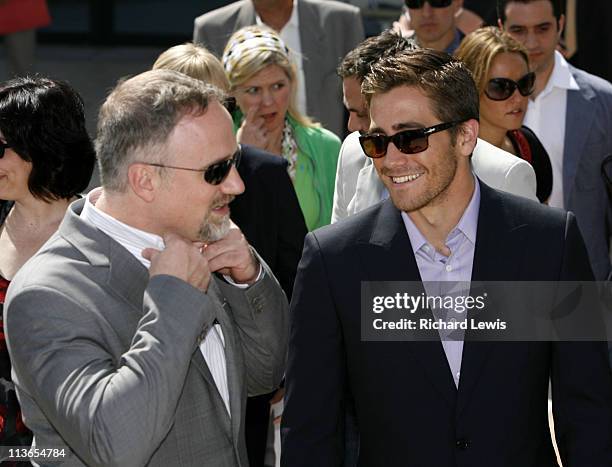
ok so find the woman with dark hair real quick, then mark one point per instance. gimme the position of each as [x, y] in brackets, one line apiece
[46, 160]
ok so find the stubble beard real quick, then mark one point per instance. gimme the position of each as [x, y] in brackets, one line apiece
[441, 175]
[214, 227]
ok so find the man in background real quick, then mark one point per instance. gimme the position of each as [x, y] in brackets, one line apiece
[318, 32]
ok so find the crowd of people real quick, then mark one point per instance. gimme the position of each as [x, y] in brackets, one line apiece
[222, 265]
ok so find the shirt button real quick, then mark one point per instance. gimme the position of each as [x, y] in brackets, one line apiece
[448, 268]
[462, 444]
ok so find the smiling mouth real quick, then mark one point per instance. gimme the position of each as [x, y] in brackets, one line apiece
[405, 179]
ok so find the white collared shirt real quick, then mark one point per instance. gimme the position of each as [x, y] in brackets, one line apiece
[546, 117]
[291, 35]
[135, 240]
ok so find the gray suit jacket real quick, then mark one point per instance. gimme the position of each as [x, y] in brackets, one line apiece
[328, 30]
[358, 186]
[588, 140]
[107, 362]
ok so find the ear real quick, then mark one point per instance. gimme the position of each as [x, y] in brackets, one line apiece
[500, 25]
[143, 180]
[561, 25]
[467, 137]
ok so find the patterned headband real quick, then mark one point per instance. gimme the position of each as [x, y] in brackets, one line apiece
[249, 42]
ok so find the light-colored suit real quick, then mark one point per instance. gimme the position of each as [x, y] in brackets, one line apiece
[107, 362]
[359, 187]
[588, 140]
[328, 31]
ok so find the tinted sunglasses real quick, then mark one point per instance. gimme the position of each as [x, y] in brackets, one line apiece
[213, 174]
[407, 141]
[416, 4]
[500, 89]
[3, 146]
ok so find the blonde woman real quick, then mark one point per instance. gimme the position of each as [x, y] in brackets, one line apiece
[500, 66]
[263, 82]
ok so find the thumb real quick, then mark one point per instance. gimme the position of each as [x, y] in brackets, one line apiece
[149, 253]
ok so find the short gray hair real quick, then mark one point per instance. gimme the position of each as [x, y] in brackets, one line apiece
[138, 116]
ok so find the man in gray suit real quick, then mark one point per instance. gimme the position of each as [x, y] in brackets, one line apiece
[319, 32]
[358, 186]
[571, 113]
[137, 331]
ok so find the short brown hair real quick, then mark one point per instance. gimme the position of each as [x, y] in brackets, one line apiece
[138, 116]
[479, 49]
[358, 62]
[445, 80]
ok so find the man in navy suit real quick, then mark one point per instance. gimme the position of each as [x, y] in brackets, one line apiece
[571, 113]
[437, 403]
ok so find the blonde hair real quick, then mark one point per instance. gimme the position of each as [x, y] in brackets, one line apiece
[195, 61]
[479, 49]
[251, 49]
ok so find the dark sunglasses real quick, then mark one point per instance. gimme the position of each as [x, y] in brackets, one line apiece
[3, 146]
[500, 89]
[416, 4]
[407, 141]
[230, 105]
[213, 174]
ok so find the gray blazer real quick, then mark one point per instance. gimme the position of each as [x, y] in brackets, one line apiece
[328, 31]
[358, 186]
[107, 364]
[588, 140]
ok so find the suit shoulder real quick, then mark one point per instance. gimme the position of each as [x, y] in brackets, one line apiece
[600, 86]
[493, 156]
[257, 159]
[347, 232]
[219, 16]
[333, 6]
[529, 212]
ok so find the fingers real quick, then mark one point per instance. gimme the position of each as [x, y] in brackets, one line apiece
[232, 256]
[182, 259]
[252, 131]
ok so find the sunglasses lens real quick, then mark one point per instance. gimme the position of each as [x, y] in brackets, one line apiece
[499, 89]
[416, 4]
[374, 146]
[409, 143]
[526, 84]
[216, 173]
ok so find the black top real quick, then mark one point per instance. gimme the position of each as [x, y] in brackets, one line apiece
[13, 432]
[528, 147]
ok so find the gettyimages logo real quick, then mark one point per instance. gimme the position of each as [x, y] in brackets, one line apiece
[486, 311]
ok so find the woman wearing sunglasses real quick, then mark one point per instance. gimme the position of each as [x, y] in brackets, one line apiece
[46, 160]
[263, 81]
[500, 66]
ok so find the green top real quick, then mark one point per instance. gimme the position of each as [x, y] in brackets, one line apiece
[315, 176]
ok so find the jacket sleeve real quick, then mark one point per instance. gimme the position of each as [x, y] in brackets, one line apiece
[291, 232]
[260, 313]
[581, 378]
[312, 420]
[110, 412]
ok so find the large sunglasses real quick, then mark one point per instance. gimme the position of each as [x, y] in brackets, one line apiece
[416, 4]
[500, 89]
[407, 141]
[213, 174]
[3, 146]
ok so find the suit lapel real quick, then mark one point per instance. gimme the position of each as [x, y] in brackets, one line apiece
[388, 256]
[578, 121]
[312, 41]
[497, 257]
[232, 361]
